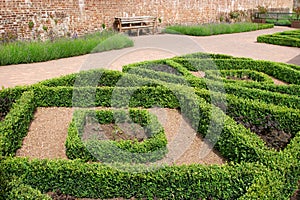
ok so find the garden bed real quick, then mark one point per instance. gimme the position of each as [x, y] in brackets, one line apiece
[287, 38]
[215, 29]
[37, 51]
[254, 170]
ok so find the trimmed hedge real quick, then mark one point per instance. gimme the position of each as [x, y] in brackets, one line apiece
[169, 182]
[280, 71]
[287, 38]
[253, 171]
[15, 126]
[149, 150]
[234, 76]
[229, 87]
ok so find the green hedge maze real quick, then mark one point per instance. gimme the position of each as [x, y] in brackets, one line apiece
[286, 38]
[257, 122]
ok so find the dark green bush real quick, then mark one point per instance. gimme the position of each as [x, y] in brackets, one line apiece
[255, 171]
[150, 149]
[16, 123]
[100, 181]
[288, 38]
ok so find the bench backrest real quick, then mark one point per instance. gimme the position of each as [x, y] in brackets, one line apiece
[139, 19]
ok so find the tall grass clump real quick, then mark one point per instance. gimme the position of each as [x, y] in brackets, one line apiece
[215, 29]
[37, 51]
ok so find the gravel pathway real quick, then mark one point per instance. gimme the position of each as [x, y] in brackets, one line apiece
[48, 131]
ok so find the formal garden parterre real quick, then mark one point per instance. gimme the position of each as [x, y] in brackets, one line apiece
[259, 123]
[286, 38]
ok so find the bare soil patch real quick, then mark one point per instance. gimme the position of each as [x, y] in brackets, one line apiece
[6, 104]
[278, 82]
[268, 131]
[244, 78]
[116, 132]
[165, 68]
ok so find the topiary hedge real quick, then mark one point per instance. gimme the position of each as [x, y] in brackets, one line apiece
[148, 150]
[286, 38]
[253, 170]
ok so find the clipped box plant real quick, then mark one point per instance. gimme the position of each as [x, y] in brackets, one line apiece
[242, 112]
[116, 136]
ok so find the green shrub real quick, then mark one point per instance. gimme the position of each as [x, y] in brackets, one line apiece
[100, 181]
[16, 123]
[253, 171]
[28, 52]
[237, 76]
[280, 71]
[214, 29]
[149, 150]
[288, 38]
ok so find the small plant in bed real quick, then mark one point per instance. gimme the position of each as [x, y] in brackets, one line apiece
[37, 51]
[215, 29]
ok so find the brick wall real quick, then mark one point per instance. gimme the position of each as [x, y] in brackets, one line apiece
[61, 17]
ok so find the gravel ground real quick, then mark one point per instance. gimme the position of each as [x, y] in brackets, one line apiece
[48, 131]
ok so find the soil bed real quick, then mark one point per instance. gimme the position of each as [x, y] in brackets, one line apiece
[128, 131]
[268, 132]
[6, 104]
[245, 78]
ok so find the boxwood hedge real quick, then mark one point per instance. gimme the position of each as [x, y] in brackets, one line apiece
[286, 38]
[150, 149]
[253, 170]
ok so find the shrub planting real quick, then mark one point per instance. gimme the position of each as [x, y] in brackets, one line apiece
[257, 122]
[215, 29]
[35, 51]
[287, 38]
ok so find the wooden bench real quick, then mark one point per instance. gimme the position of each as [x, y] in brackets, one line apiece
[140, 22]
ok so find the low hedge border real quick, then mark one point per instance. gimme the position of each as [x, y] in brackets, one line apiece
[15, 126]
[229, 88]
[280, 71]
[252, 75]
[111, 78]
[169, 182]
[287, 38]
[199, 82]
[271, 175]
[149, 96]
[288, 118]
[149, 150]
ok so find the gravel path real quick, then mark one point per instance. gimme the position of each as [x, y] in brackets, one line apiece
[48, 131]
[47, 134]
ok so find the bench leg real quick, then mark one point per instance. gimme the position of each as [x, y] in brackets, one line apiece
[138, 32]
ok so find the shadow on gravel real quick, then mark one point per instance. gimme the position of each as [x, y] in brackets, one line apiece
[295, 60]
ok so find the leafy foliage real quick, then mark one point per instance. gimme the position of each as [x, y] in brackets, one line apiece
[287, 38]
[254, 170]
[29, 52]
[215, 29]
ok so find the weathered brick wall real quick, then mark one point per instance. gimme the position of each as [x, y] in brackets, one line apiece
[62, 17]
